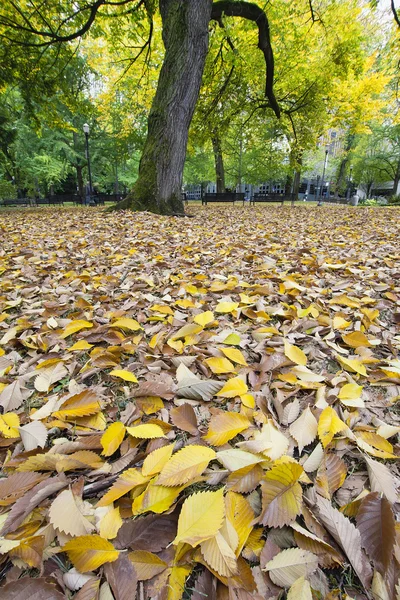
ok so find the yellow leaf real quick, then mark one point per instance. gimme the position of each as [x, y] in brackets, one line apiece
[361, 443]
[351, 364]
[155, 461]
[219, 555]
[123, 374]
[201, 517]
[300, 590]
[235, 355]
[9, 423]
[110, 524]
[355, 339]
[189, 329]
[329, 424]
[156, 498]
[176, 582]
[344, 300]
[125, 323]
[226, 307]
[89, 552]
[75, 326]
[220, 365]
[350, 391]
[224, 426]
[295, 354]
[125, 483]
[147, 565]
[112, 438]
[185, 465]
[80, 405]
[204, 318]
[235, 459]
[282, 496]
[248, 400]
[241, 515]
[233, 387]
[81, 345]
[233, 339]
[340, 323]
[176, 345]
[146, 432]
[162, 308]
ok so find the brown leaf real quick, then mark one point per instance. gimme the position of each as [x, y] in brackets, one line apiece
[154, 388]
[90, 591]
[11, 397]
[348, 538]
[150, 533]
[121, 577]
[15, 486]
[246, 479]
[376, 524]
[205, 587]
[330, 476]
[25, 505]
[381, 479]
[31, 589]
[184, 418]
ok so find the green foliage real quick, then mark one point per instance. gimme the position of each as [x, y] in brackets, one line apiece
[7, 190]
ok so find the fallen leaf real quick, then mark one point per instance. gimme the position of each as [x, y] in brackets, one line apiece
[88, 552]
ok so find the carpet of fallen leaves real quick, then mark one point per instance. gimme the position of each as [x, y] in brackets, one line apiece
[204, 407]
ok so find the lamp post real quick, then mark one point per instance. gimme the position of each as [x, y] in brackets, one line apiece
[86, 131]
[323, 176]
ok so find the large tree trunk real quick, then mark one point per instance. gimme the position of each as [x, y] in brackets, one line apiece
[219, 162]
[185, 36]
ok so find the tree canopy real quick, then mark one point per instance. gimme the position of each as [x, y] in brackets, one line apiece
[241, 91]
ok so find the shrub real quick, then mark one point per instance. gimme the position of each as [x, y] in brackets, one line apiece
[7, 190]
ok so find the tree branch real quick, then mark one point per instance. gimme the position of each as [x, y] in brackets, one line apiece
[252, 12]
[54, 37]
[395, 13]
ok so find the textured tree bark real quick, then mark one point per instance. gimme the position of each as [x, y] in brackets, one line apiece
[341, 181]
[296, 181]
[185, 36]
[219, 162]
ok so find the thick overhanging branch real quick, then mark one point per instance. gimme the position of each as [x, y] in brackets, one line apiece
[395, 13]
[252, 12]
[50, 35]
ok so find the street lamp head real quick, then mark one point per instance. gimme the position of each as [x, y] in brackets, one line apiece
[86, 128]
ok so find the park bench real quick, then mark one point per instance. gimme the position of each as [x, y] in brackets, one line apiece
[273, 197]
[17, 202]
[223, 197]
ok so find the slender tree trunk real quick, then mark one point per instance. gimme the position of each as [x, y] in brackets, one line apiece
[296, 180]
[396, 178]
[341, 176]
[78, 167]
[185, 36]
[79, 178]
[219, 162]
